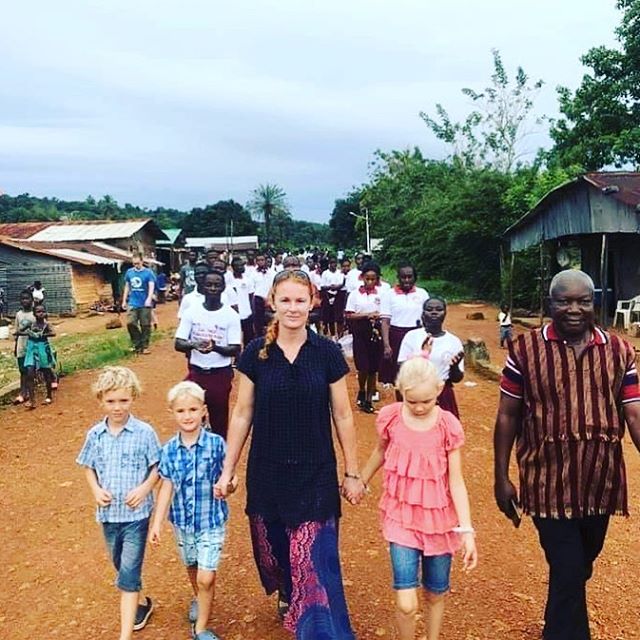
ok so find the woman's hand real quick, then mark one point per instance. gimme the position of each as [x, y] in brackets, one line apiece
[225, 481]
[353, 489]
[469, 552]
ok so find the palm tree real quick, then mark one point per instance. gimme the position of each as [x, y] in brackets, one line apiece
[267, 200]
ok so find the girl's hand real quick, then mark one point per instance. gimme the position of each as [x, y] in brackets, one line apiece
[154, 533]
[353, 489]
[103, 497]
[469, 552]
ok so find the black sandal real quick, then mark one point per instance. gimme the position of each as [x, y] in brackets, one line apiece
[282, 605]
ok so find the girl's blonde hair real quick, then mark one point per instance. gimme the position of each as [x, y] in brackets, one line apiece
[112, 378]
[298, 276]
[415, 371]
[186, 388]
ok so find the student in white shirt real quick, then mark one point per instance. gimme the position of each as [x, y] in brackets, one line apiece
[401, 312]
[447, 352]
[506, 326]
[244, 287]
[331, 281]
[363, 313]
[354, 276]
[229, 296]
[341, 300]
[210, 334]
[262, 281]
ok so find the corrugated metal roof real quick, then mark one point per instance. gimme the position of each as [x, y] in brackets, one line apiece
[222, 241]
[81, 256]
[82, 252]
[94, 231]
[627, 182]
[22, 230]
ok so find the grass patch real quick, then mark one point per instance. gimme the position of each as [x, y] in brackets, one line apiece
[84, 351]
[450, 291]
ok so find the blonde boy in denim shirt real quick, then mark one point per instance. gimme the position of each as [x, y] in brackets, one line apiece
[120, 456]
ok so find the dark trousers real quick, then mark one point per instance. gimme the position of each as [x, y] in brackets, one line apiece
[571, 547]
[217, 388]
[259, 319]
[139, 327]
[248, 334]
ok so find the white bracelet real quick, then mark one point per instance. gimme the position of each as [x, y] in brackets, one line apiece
[463, 530]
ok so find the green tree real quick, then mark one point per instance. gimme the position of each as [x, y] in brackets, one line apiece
[224, 218]
[343, 224]
[491, 134]
[601, 119]
[266, 201]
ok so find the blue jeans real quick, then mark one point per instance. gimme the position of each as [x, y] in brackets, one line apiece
[126, 542]
[405, 563]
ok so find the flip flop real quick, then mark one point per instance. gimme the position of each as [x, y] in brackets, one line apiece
[18, 400]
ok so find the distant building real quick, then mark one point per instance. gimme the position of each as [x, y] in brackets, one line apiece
[78, 263]
[223, 243]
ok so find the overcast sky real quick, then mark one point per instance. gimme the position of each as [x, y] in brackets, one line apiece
[179, 104]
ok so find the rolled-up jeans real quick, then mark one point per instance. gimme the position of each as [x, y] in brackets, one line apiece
[139, 327]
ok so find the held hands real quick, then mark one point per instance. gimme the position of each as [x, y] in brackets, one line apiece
[103, 497]
[226, 485]
[205, 346]
[154, 533]
[353, 490]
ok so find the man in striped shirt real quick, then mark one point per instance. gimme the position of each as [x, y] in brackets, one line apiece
[567, 391]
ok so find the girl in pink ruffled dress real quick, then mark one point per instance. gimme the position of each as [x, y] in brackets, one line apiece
[424, 506]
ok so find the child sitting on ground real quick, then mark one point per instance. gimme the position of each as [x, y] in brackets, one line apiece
[120, 456]
[424, 506]
[190, 464]
[39, 355]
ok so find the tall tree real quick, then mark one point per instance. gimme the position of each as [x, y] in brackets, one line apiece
[342, 223]
[601, 119]
[491, 134]
[224, 218]
[267, 200]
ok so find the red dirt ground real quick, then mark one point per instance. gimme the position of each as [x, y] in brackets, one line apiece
[58, 582]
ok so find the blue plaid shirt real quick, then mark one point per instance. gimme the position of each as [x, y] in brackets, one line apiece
[121, 463]
[193, 471]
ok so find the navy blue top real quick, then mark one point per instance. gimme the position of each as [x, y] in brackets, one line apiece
[291, 473]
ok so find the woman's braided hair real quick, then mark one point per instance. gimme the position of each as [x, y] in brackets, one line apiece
[272, 330]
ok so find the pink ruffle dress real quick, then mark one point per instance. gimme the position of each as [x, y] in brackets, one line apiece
[416, 506]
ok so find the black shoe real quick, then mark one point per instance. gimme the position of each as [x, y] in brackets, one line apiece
[283, 605]
[143, 614]
[361, 398]
[367, 407]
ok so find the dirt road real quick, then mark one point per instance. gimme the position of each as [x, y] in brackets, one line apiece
[57, 580]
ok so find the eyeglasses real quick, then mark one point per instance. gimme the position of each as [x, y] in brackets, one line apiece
[285, 273]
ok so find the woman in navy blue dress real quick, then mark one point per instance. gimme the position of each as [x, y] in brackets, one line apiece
[292, 384]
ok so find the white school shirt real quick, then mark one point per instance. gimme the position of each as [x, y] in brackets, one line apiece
[505, 319]
[329, 278]
[316, 279]
[403, 309]
[244, 288]
[359, 302]
[200, 325]
[228, 278]
[195, 298]
[353, 280]
[444, 348]
[262, 281]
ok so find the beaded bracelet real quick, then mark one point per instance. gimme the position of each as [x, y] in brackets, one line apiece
[353, 476]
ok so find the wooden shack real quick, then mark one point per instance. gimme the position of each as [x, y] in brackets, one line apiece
[592, 223]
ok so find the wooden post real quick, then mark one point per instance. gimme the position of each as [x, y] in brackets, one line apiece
[541, 283]
[604, 268]
[511, 270]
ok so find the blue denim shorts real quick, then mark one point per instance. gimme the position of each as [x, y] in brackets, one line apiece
[202, 549]
[405, 564]
[126, 542]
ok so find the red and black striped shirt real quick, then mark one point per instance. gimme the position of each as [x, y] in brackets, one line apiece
[569, 447]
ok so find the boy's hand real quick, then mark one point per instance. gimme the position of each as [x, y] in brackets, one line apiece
[135, 497]
[455, 361]
[103, 497]
[154, 533]
[221, 488]
[233, 485]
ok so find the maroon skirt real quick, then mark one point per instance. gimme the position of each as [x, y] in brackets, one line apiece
[447, 399]
[367, 352]
[389, 366]
[329, 309]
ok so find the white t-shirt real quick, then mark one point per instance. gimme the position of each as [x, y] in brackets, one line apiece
[353, 280]
[316, 279]
[358, 302]
[195, 298]
[444, 348]
[504, 319]
[329, 278]
[200, 325]
[404, 309]
[243, 288]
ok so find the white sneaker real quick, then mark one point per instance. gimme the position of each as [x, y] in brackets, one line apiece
[375, 397]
